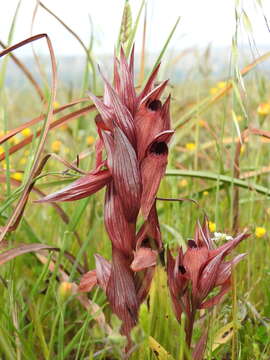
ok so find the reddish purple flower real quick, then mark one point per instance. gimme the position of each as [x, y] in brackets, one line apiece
[134, 131]
[194, 274]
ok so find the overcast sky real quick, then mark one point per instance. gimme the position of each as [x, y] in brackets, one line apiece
[202, 22]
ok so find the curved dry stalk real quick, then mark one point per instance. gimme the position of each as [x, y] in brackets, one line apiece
[38, 119]
[16, 215]
[26, 72]
[55, 124]
[209, 100]
[72, 32]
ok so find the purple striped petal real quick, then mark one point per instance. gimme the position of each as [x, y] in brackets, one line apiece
[126, 175]
[81, 188]
[121, 232]
[121, 291]
[153, 168]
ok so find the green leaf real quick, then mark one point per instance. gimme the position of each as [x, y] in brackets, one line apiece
[218, 177]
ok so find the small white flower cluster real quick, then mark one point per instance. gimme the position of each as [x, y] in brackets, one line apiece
[221, 237]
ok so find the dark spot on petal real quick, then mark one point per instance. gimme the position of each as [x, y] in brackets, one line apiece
[159, 148]
[154, 105]
[182, 269]
[145, 242]
[192, 244]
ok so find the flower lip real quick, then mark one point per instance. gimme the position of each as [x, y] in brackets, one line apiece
[159, 148]
[154, 105]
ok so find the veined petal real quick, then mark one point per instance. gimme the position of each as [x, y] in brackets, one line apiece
[208, 276]
[228, 246]
[176, 286]
[105, 112]
[126, 175]
[143, 258]
[121, 291]
[143, 282]
[116, 77]
[177, 271]
[225, 269]
[121, 232]
[103, 271]
[202, 235]
[151, 119]
[165, 114]
[194, 260]
[131, 62]
[150, 83]
[81, 188]
[122, 115]
[155, 93]
[153, 168]
[109, 146]
[150, 232]
[217, 298]
[127, 90]
[88, 281]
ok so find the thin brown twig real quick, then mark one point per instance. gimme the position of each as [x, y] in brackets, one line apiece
[26, 72]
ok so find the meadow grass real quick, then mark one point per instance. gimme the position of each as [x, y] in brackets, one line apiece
[42, 319]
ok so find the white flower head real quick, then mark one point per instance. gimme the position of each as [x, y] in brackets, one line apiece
[221, 237]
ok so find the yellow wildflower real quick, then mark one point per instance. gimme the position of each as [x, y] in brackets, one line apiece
[17, 176]
[239, 118]
[221, 84]
[205, 193]
[90, 140]
[190, 146]
[242, 149]
[213, 90]
[2, 133]
[202, 123]
[65, 289]
[263, 109]
[2, 150]
[260, 231]
[212, 226]
[23, 161]
[56, 145]
[26, 132]
[56, 104]
[183, 183]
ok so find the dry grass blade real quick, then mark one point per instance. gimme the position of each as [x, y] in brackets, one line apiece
[55, 124]
[71, 32]
[237, 174]
[207, 102]
[23, 249]
[26, 72]
[39, 119]
[15, 217]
